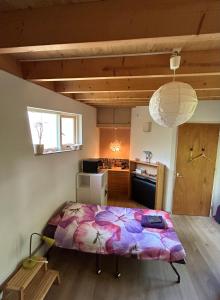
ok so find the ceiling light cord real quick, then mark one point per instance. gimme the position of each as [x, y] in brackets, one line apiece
[175, 63]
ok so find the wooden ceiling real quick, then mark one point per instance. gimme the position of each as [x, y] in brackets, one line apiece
[9, 5]
[113, 53]
[124, 47]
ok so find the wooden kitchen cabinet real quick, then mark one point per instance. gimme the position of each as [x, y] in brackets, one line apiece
[118, 184]
[113, 117]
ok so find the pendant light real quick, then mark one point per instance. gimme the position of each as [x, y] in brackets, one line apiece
[174, 102]
[115, 146]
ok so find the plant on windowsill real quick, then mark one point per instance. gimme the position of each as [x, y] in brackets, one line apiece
[39, 148]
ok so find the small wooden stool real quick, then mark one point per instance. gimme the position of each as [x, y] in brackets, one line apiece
[31, 284]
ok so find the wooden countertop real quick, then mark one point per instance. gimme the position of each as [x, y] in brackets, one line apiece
[144, 163]
[117, 169]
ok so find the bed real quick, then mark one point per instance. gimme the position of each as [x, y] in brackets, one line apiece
[110, 230]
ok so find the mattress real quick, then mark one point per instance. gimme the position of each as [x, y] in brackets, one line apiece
[114, 230]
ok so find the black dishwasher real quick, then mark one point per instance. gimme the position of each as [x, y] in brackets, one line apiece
[143, 190]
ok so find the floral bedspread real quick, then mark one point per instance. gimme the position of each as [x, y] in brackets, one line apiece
[116, 230]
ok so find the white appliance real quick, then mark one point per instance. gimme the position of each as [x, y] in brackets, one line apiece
[92, 188]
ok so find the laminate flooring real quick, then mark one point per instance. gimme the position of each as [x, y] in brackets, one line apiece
[124, 203]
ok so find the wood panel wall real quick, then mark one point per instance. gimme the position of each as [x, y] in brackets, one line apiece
[107, 136]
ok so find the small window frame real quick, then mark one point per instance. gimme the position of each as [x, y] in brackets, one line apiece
[74, 118]
[78, 132]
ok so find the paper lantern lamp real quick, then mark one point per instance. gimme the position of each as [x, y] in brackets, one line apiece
[173, 104]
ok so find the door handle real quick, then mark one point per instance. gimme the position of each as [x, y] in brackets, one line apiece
[178, 175]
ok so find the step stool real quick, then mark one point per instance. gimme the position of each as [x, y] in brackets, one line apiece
[31, 284]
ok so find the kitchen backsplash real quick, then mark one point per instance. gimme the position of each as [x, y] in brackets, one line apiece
[109, 163]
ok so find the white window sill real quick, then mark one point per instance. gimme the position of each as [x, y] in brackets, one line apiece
[59, 151]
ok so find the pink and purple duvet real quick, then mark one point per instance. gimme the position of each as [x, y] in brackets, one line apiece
[115, 230]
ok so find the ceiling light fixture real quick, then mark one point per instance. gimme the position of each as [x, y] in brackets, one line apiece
[116, 145]
[174, 102]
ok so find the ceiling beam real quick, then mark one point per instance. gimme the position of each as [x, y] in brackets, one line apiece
[208, 94]
[127, 47]
[132, 84]
[125, 104]
[135, 100]
[10, 65]
[47, 84]
[132, 96]
[115, 95]
[116, 100]
[58, 27]
[192, 62]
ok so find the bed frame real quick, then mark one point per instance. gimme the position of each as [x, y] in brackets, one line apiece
[117, 273]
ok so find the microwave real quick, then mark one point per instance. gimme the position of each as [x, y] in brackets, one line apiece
[91, 165]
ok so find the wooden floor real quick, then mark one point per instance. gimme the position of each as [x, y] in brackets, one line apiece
[200, 278]
[124, 203]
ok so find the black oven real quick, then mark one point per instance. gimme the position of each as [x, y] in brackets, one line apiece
[144, 191]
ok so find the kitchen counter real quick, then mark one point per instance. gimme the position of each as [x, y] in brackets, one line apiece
[118, 183]
[118, 169]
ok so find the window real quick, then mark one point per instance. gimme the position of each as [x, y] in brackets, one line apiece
[68, 134]
[56, 131]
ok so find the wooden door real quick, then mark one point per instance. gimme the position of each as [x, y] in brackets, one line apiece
[194, 174]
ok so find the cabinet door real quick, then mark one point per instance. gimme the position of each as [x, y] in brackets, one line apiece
[118, 185]
[105, 116]
[122, 116]
[113, 116]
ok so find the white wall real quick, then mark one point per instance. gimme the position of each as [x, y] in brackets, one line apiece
[32, 187]
[163, 142]
[160, 141]
[207, 112]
